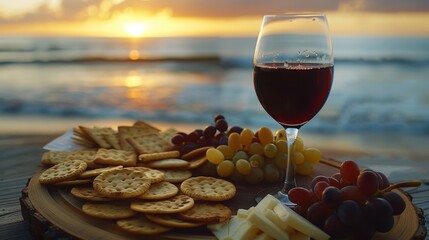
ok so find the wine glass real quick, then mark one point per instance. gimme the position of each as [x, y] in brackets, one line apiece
[292, 74]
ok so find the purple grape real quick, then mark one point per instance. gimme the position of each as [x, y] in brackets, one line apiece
[365, 230]
[192, 137]
[350, 213]
[332, 197]
[223, 140]
[317, 213]
[383, 181]
[178, 139]
[377, 209]
[396, 201]
[221, 125]
[235, 129]
[209, 132]
[218, 117]
[335, 228]
[187, 148]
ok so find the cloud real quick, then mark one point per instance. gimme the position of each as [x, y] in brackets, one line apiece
[72, 10]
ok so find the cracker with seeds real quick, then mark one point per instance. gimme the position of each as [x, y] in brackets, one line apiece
[141, 225]
[116, 157]
[176, 175]
[208, 188]
[149, 144]
[148, 157]
[125, 132]
[51, 158]
[97, 171]
[206, 213]
[62, 171]
[155, 176]
[121, 183]
[108, 210]
[176, 204]
[96, 135]
[168, 163]
[170, 220]
[89, 194]
[160, 191]
[87, 156]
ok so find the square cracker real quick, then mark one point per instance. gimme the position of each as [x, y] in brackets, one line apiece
[149, 144]
[125, 132]
[141, 123]
[87, 156]
[116, 157]
[113, 140]
[97, 135]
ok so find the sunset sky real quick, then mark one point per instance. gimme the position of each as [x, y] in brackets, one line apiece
[158, 18]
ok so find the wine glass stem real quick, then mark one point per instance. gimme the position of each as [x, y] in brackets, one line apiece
[291, 135]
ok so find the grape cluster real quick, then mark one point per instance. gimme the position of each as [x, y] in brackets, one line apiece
[241, 155]
[212, 135]
[351, 203]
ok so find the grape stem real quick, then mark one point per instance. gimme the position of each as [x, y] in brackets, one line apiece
[414, 183]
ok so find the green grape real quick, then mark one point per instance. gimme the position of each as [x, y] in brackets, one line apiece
[299, 145]
[270, 150]
[256, 148]
[256, 160]
[280, 135]
[313, 155]
[256, 175]
[306, 168]
[246, 137]
[281, 160]
[226, 150]
[243, 167]
[234, 141]
[265, 136]
[225, 168]
[271, 173]
[240, 155]
[214, 156]
[298, 157]
[281, 145]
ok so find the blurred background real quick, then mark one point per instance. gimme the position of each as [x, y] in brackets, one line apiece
[65, 63]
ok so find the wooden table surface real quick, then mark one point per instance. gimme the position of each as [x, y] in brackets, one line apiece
[20, 157]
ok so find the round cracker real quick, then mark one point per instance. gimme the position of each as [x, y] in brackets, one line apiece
[89, 194]
[159, 191]
[141, 225]
[176, 175]
[108, 210]
[155, 176]
[121, 183]
[168, 163]
[170, 220]
[62, 171]
[208, 188]
[206, 213]
[175, 204]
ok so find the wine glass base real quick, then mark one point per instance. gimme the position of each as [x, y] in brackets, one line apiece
[275, 192]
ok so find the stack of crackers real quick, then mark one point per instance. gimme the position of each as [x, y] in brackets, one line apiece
[147, 189]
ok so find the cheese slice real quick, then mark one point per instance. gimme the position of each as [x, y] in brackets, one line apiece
[274, 218]
[258, 219]
[268, 202]
[234, 229]
[299, 223]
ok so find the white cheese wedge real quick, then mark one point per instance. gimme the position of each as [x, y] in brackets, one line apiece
[268, 202]
[274, 218]
[243, 213]
[258, 219]
[234, 229]
[299, 223]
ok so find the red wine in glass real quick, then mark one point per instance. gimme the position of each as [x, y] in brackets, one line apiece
[292, 94]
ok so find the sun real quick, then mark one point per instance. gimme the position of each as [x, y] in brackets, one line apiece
[135, 29]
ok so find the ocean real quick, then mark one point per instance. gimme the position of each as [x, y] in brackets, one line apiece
[379, 102]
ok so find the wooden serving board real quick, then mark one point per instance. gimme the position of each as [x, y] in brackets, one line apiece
[54, 212]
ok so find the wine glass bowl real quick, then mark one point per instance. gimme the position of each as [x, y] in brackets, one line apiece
[292, 74]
